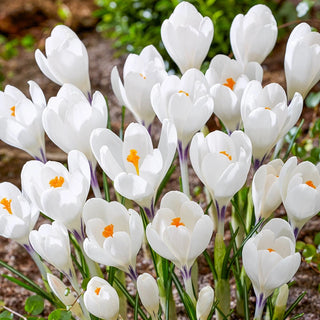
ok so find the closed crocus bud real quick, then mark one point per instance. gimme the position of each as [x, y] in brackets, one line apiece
[149, 294]
[267, 117]
[253, 35]
[136, 168]
[301, 61]
[58, 192]
[114, 234]
[21, 120]
[204, 303]
[300, 191]
[270, 260]
[222, 163]
[227, 79]
[67, 59]
[140, 74]
[101, 299]
[266, 190]
[281, 302]
[187, 36]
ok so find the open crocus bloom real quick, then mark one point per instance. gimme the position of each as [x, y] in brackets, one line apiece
[266, 190]
[57, 192]
[266, 116]
[114, 234]
[253, 35]
[140, 74]
[187, 36]
[269, 260]
[300, 191]
[135, 167]
[67, 59]
[21, 119]
[227, 79]
[301, 61]
[17, 215]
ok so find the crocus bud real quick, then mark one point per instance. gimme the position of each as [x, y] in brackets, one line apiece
[281, 302]
[204, 303]
[149, 293]
[101, 299]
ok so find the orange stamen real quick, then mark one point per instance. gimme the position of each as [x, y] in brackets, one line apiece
[134, 159]
[108, 231]
[6, 204]
[56, 182]
[226, 154]
[97, 291]
[229, 83]
[13, 109]
[186, 93]
[176, 222]
[271, 250]
[267, 108]
[142, 76]
[310, 184]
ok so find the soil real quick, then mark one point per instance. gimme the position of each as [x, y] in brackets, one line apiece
[37, 17]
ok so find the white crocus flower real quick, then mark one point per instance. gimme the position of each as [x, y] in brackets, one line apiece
[69, 120]
[21, 119]
[204, 303]
[180, 232]
[266, 189]
[57, 192]
[136, 168]
[270, 260]
[149, 294]
[267, 117]
[300, 191]
[301, 61]
[227, 79]
[253, 35]
[114, 234]
[101, 299]
[67, 59]
[187, 36]
[140, 74]
[222, 163]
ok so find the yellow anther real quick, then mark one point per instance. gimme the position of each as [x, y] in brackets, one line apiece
[176, 222]
[267, 108]
[271, 250]
[134, 159]
[142, 76]
[13, 109]
[310, 184]
[56, 182]
[108, 231]
[6, 204]
[229, 83]
[186, 93]
[226, 154]
[97, 291]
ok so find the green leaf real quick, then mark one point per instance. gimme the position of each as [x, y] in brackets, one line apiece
[6, 315]
[317, 239]
[34, 305]
[309, 251]
[313, 99]
[300, 245]
[295, 303]
[60, 314]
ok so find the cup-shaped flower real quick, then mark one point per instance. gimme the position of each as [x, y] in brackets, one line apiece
[186, 102]
[227, 79]
[140, 74]
[269, 260]
[266, 189]
[180, 231]
[101, 299]
[266, 116]
[301, 61]
[135, 167]
[114, 234]
[51, 242]
[300, 191]
[67, 59]
[58, 192]
[21, 119]
[204, 303]
[187, 36]
[149, 294]
[17, 215]
[222, 163]
[253, 35]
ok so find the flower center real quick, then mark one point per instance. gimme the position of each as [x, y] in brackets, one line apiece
[142, 76]
[134, 159]
[226, 154]
[310, 184]
[13, 109]
[6, 204]
[229, 83]
[56, 182]
[186, 93]
[97, 291]
[108, 231]
[271, 250]
[176, 222]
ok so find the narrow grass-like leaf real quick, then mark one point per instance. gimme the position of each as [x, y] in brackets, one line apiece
[111, 274]
[270, 307]
[295, 303]
[106, 187]
[168, 284]
[136, 304]
[19, 283]
[293, 139]
[246, 301]
[208, 207]
[239, 215]
[298, 316]
[164, 182]
[123, 113]
[210, 264]
[109, 118]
